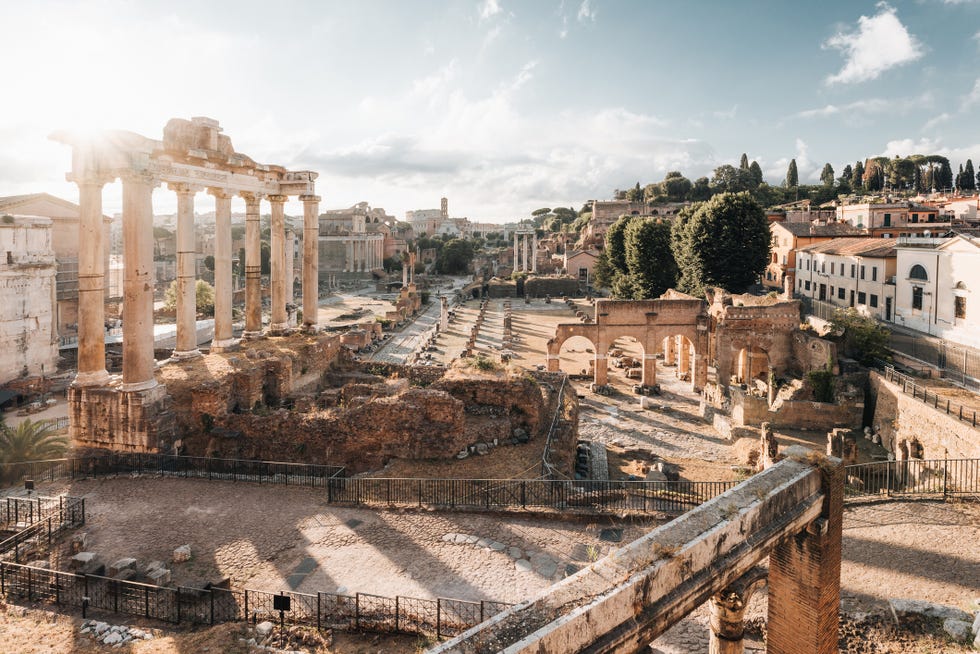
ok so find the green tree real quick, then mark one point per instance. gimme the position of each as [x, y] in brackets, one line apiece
[743, 163]
[857, 179]
[29, 441]
[827, 175]
[454, 257]
[969, 177]
[266, 258]
[616, 245]
[792, 175]
[725, 242]
[729, 179]
[203, 296]
[652, 269]
[676, 187]
[541, 212]
[701, 190]
[862, 338]
[602, 271]
[635, 194]
[874, 175]
[944, 178]
[209, 262]
[756, 171]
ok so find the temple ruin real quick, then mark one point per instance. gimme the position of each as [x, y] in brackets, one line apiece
[193, 156]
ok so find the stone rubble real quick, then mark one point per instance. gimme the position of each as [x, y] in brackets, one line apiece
[115, 635]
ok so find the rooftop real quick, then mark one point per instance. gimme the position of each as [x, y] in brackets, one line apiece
[862, 247]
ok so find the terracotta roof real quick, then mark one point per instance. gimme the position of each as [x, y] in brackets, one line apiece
[823, 229]
[13, 201]
[862, 247]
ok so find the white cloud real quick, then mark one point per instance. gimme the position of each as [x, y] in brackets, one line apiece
[489, 8]
[880, 42]
[586, 11]
[776, 173]
[728, 114]
[905, 147]
[869, 106]
[936, 120]
[972, 98]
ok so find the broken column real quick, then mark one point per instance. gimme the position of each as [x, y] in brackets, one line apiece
[727, 613]
[768, 447]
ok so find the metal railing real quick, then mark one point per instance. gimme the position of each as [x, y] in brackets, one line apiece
[39, 536]
[19, 512]
[547, 469]
[946, 477]
[959, 363]
[579, 496]
[933, 399]
[111, 465]
[185, 605]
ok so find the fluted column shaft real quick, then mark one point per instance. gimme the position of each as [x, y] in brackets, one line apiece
[91, 287]
[186, 279]
[222, 271]
[253, 265]
[277, 323]
[516, 253]
[138, 273]
[534, 253]
[311, 259]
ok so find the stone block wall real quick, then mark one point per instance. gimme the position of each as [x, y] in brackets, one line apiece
[902, 419]
[752, 411]
[553, 286]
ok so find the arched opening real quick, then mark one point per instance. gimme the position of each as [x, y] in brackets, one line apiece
[680, 358]
[576, 356]
[752, 367]
[918, 272]
[626, 355]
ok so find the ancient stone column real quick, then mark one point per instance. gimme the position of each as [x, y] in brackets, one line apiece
[278, 324]
[186, 347]
[669, 352]
[804, 577]
[517, 257]
[600, 374]
[253, 266]
[684, 356]
[534, 253]
[527, 266]
[91, 286]
[727, 613]
[289, 261]
[649, 370]
[222, 271]
[138, 280]
[311, 258]
[404, 273]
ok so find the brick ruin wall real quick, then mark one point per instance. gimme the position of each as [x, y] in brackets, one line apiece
[901, 418]
[310, 402]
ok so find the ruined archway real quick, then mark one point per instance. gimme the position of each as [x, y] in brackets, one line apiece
[751, 365]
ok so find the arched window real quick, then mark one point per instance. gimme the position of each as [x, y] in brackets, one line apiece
[918, 272]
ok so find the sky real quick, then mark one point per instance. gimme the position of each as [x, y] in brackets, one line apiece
[503, 106]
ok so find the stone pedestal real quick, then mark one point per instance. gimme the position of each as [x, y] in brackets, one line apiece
[130, 421]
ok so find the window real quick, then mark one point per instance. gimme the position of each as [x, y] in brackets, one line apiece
[862, 297]
[932, 217]
[831, 267]
[768, 276]
[918, 272]
[840, 292]
[852, 271]
[874, 273]
[917, 297]
[801, 284]
[874, 301]
[888, 220]
[784, 259]
[774, 257]
[959, 306]
[807, 285]
[823, 266]
[915, 217]
[862, 272]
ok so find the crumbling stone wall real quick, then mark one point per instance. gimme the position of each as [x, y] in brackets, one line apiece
[901, 419]
[553, 286]
[814, 353]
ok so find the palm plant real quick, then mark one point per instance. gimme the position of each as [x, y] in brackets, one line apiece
[28, 441]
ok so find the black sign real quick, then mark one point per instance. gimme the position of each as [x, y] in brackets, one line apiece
[281, 602]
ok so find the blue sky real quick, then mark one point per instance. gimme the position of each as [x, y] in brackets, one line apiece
[503, 106]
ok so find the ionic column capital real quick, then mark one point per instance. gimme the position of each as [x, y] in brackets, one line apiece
[278, 198]
[309, 198]
[91, 179]
[139, 177]
[250, 197]
[181, 188]
[220, 193]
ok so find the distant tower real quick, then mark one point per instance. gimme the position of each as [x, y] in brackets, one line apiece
[445, 209]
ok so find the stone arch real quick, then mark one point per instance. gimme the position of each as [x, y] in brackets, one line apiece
[680, 351]
[752, 363]
[566, 331]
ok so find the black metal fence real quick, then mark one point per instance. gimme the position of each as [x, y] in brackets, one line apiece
[586, 496]
[184, 605]
[37, 536]
[946, 477]
[18, 512]
[114, 464]
[938, 402]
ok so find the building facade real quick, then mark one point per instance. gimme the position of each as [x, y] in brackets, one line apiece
[787, 238]
[936, 279]
[850, 273]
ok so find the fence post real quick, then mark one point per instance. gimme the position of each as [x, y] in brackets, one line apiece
[177, 602]
[246, 606]
[438, 618]
[115, 596]
[357, 610]
[420, 493]
[523, 504]
[945, 476]
[481, 611]
[318, 595]
[146, 601]
[396, 612]
[211, 593]
[30, 586]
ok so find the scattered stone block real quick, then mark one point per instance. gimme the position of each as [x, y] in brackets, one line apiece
[122, 564]
[958, 630]
[905, 607]
[182, 554]
[263, 629]
[126, 574]
[515, 552]
[523, 565]
[655, 475]
[159, 576]
[113, 638]
[153, 565]
[497, 547]
[81, 559]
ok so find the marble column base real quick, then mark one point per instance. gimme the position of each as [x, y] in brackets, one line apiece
[95, 378]
[139, 386]
[225, 345]
[279, 328]
[183, 355]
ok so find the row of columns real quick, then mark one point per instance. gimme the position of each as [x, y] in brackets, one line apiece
[364, 254]
[139, 273]
[524, 241]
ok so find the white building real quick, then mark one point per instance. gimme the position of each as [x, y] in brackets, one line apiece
[850, 272]
[936, 279]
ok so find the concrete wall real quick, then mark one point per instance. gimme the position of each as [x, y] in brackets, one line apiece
[901, 419]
